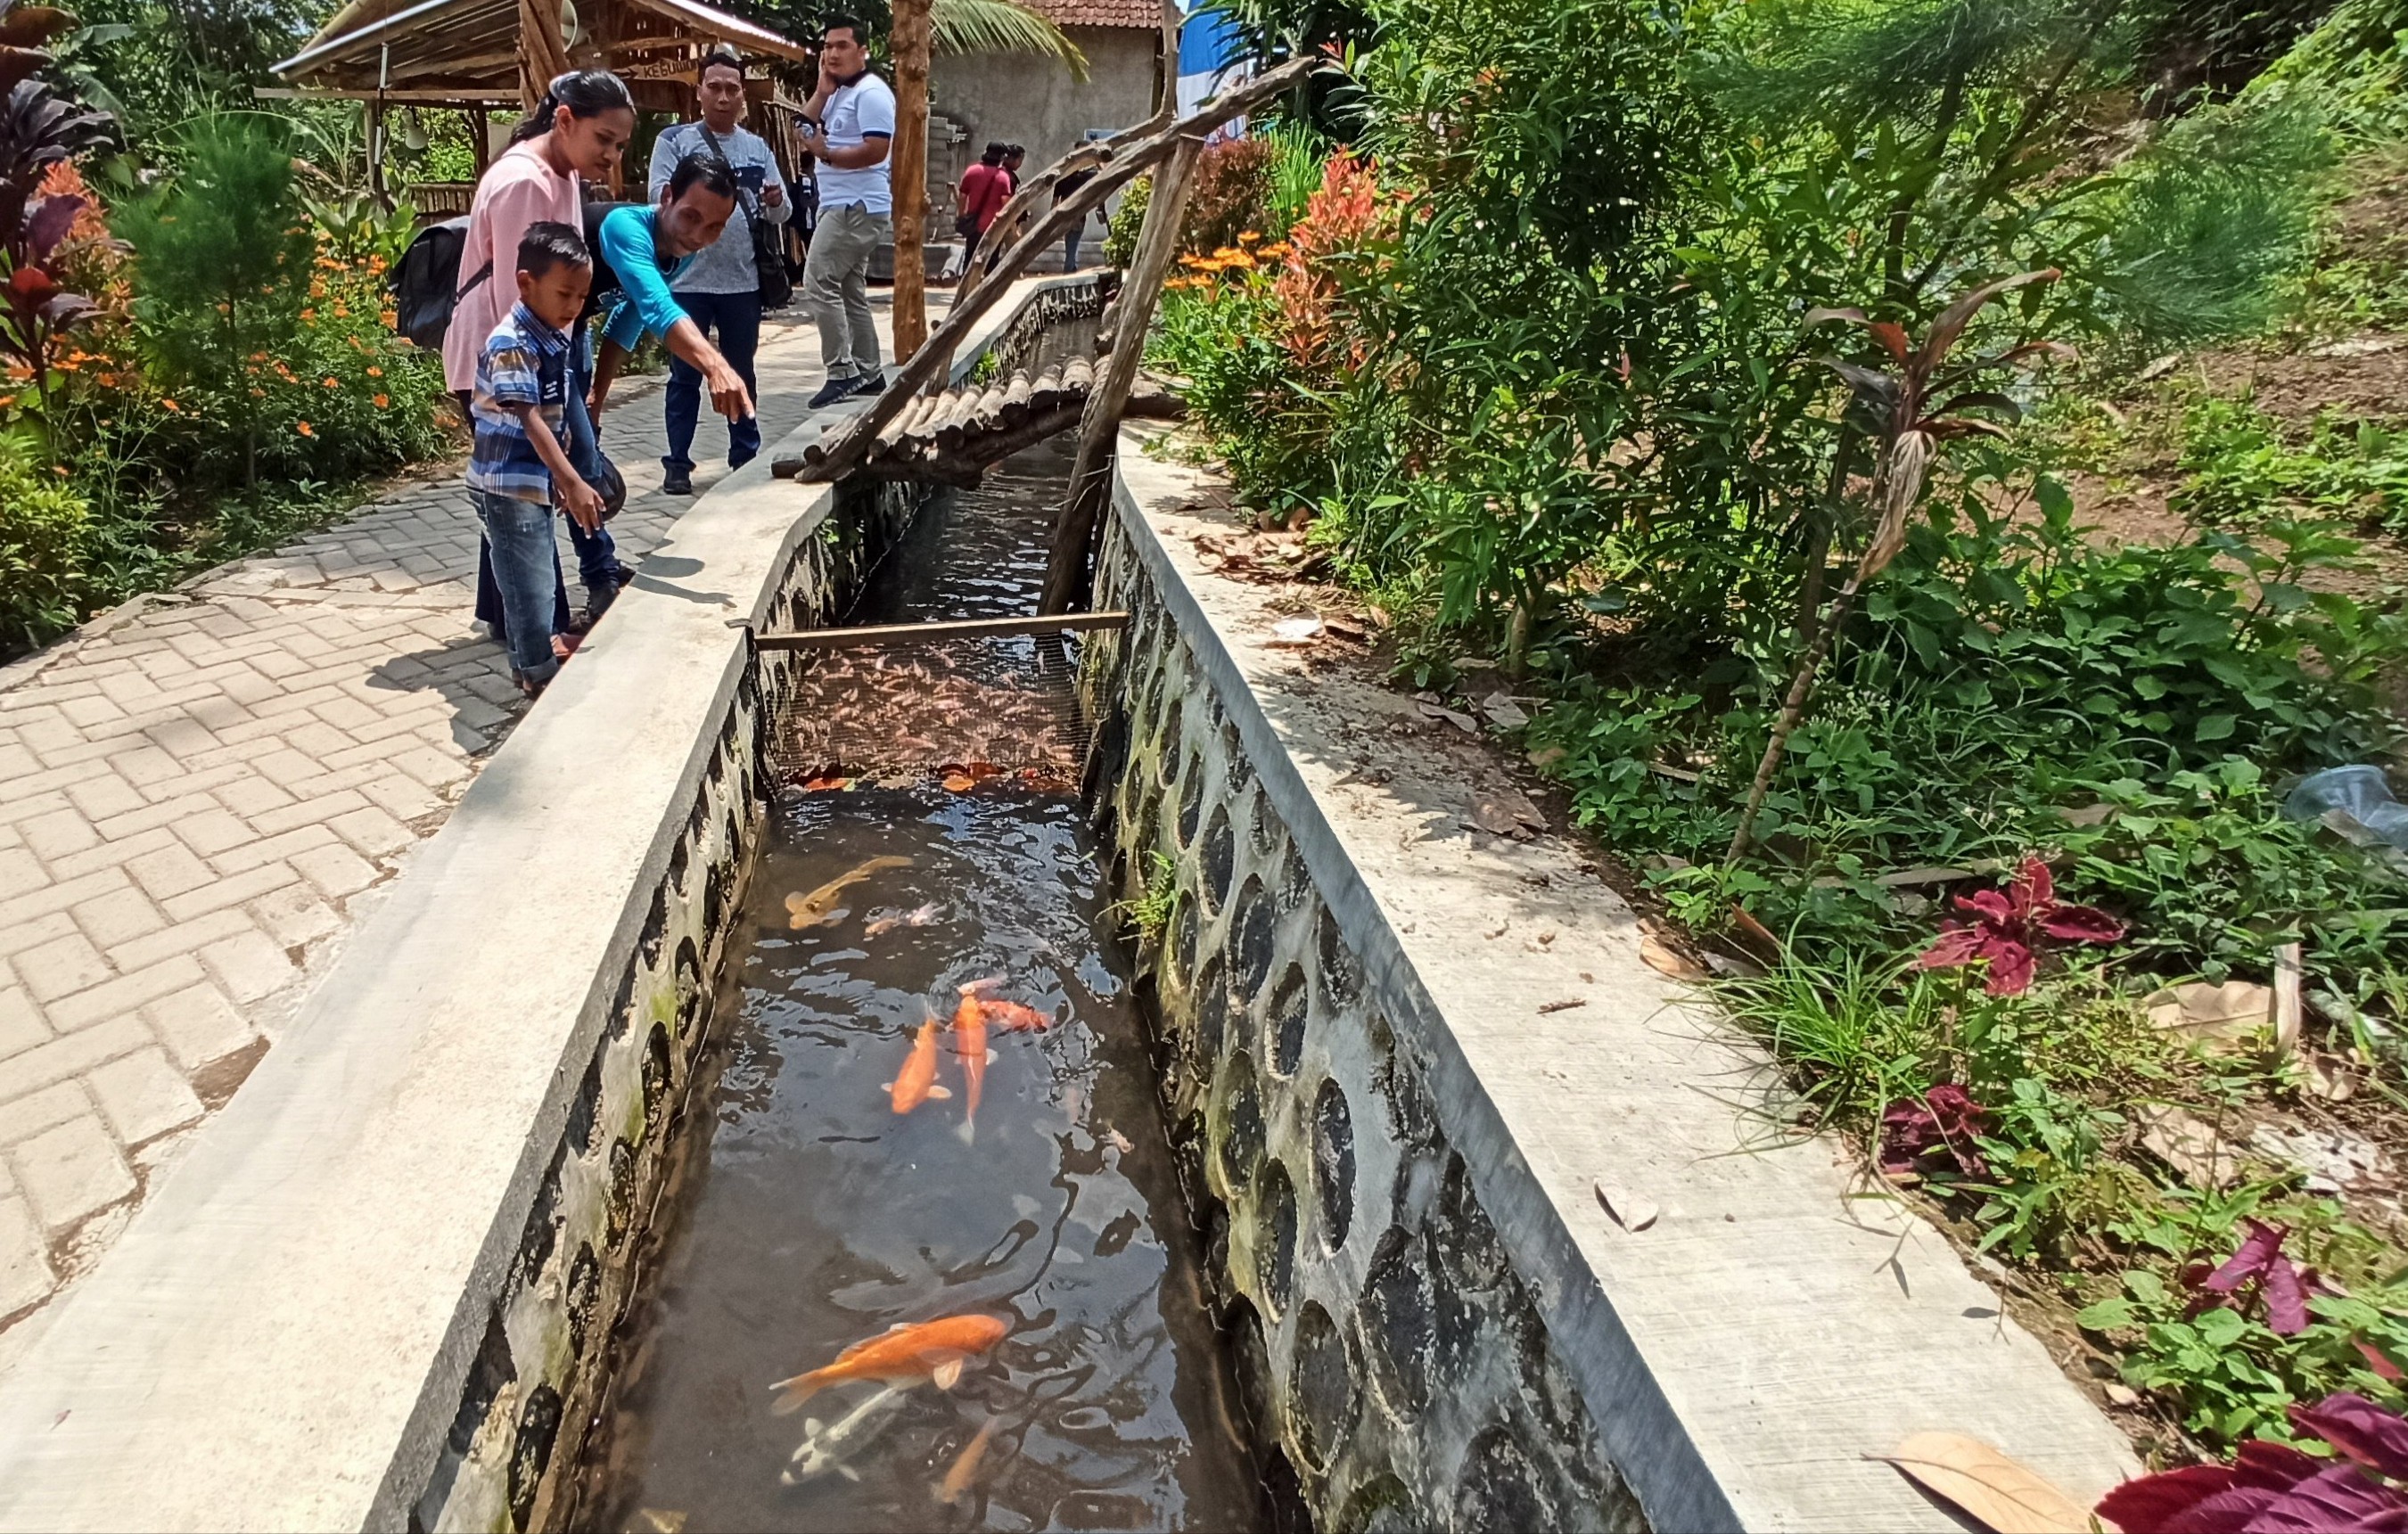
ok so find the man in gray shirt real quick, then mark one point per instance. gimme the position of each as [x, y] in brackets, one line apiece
[721, 290]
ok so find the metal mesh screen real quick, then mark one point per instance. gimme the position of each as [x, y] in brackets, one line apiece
[959, 710]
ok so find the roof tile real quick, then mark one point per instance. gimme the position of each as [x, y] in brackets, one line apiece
[1117, 13]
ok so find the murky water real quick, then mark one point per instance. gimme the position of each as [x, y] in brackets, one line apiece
[812, 1215]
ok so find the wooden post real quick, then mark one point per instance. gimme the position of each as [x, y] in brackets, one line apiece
[1066, 576]
[911, 41]
[481, 140]
[543, 49]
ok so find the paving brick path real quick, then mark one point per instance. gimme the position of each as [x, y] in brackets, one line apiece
[195, 797]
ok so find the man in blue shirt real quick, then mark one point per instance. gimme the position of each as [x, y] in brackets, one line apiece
[722, 289]
[646, 248]
[848, 127]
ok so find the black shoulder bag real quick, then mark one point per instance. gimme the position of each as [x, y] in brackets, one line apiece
[768, 241]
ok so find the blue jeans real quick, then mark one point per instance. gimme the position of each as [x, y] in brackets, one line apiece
[597, 557]
[1070, 251]
[737, 319]
[526, 568]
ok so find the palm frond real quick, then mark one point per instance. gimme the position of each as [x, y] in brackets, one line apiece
[1001, 26]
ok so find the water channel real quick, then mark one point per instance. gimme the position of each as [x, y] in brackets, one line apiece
[806, 1213]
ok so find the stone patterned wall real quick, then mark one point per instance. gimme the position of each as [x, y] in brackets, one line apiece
[1387, 1352]
[508, 1461]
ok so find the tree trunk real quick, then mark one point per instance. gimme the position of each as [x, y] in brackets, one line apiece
[1090, 476]
[913, 42]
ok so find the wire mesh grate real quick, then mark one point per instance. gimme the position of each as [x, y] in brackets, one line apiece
[959, 710]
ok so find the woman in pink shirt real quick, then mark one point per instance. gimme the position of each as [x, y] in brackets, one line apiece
[580, 129]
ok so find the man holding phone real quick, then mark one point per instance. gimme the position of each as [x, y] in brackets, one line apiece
[721, 290]
[848, 127]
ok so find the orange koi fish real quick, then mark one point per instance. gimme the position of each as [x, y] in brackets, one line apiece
[957, 1480]
[916, 1082]
[969, 1043]
[1011, 1017]
[930, 1350]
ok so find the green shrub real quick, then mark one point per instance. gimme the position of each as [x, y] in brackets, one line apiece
[1121, 229]
[2239, 472]
[43, 527]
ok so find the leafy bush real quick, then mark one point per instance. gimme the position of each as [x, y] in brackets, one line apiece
[43, 527]
[1231, 194]
[1121, 230]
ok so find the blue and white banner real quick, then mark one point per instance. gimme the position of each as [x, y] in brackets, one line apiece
[1210, 61]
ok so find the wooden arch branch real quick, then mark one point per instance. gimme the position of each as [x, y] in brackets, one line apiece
[847, 451]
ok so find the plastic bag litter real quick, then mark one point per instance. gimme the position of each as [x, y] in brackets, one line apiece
[2356, 801]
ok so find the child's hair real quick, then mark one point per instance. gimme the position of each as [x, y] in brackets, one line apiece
[547, 244]
[704, 169]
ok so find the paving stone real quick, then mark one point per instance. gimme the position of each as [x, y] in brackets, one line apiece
[60, 968]
[98, 798]
[33, 931]
[373, 832]
[231, 890]
[119, 996]
[169, 871]
[252, 796]
[294, 916]
[249, 965]
[47, 1108]
[182, 938]
[215, 830]
[290, 844]
[401, 798]
[119, 917]
[143, 1097]
[198, 1025]
[336, 871]
[59, 832]
[71, 1173]
[26, 1276]
[309, 811]
[20, 871]
[20, 1023]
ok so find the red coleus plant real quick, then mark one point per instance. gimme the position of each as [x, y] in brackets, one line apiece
[1946, 1120]
[2259, 1270]
[2008, 926]
[2273, 1489]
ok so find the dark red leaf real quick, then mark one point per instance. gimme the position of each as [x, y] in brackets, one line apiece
[2249, 1260]
[2339, 1500]
[1957, 944]
[2383, 1368]
[2035, 888]
[2081, 924]
[2011, 968]
[49, 222]
[1989, 906]
[2160, 1501]
[2259, 1463]
[2376, 1438]
[1892, 336]
[2286, 1300]
[32, 284]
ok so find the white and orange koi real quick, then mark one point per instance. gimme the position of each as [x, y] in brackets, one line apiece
[969, 1043]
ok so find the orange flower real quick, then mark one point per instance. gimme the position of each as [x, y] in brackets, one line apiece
[6, 400]
[309, 316]
[333, 382]
[376, 372]
[383, 400]
[1248, 237]
[171, 406]
[305, 430]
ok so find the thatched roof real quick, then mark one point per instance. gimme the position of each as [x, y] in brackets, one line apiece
[474, 50]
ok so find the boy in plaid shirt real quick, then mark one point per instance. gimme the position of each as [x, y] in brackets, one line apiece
[518, 470]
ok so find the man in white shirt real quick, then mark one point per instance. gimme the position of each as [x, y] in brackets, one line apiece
[849, 128]
[721, 290]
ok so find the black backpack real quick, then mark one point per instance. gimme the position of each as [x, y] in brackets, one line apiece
[427, 285]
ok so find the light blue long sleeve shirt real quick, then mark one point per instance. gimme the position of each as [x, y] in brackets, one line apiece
[646, 306]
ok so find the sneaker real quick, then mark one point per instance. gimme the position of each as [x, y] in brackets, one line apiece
[677, 482]
[868, 383]
[832, 391]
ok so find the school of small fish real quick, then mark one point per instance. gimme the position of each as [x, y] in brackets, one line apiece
[957, 706]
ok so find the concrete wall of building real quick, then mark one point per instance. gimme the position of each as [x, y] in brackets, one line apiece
[1021, 99]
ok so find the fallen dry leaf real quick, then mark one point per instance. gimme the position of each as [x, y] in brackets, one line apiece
[2190, 1144]
[1755, 931]
[1503, 711]
[2233, 1010]
[1547, 756]
[2287, 1000]
[1566, 1004]
[1465, 723]
[2326, 1078]
[1632, 1212]
[1934, 875]
[1664, 959]
[1680, 775]
[1997, 1492]
[1294, 631]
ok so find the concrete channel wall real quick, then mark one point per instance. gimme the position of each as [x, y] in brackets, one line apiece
[1399, 1058]
[377, 1292]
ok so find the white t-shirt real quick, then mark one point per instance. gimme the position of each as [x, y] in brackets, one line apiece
[856, 112]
